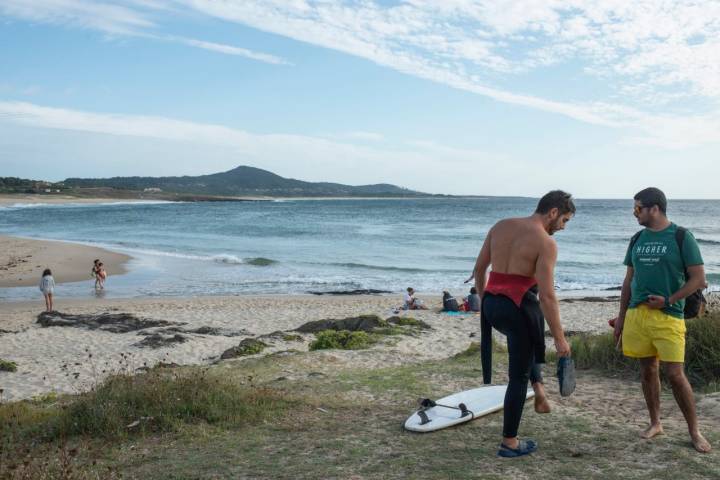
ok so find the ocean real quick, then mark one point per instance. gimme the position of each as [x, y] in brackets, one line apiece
[301, 246]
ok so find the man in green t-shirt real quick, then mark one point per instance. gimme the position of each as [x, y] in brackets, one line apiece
[651, 321]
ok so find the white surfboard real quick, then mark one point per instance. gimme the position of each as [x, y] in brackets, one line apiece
[478, 401]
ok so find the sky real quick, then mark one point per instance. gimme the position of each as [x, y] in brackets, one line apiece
[485, 97]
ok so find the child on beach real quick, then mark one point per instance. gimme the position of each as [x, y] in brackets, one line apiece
[94, 272]
[47, 287]
[412, 303]
[100, 276]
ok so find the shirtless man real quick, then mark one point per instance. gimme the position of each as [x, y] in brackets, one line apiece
[522, 254]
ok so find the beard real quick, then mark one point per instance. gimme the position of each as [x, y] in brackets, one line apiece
[555, 226]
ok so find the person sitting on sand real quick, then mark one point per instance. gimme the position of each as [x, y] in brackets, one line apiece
[47, 287]
[412, 303]
[450, 304]
[473, 301]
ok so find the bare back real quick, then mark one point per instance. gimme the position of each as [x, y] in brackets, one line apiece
[524, 246]
[515, 246]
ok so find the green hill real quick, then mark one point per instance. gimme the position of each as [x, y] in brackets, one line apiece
[241, 181]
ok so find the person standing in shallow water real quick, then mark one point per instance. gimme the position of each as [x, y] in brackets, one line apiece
[522, 254]
[651, 324]
[47, 287]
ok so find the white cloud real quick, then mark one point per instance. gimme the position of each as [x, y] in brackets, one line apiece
[230, 50]
[472, 45]
[105, 17]
[660, 59]
[81, 143]
[135, 18]
[365, 136]
[306, 157]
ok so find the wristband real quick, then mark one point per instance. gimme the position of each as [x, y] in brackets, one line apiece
[667, 302]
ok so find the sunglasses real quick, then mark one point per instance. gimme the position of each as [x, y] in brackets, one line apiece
[639, 208]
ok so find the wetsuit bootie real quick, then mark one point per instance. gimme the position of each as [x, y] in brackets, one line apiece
[566, 375]
[525, 447]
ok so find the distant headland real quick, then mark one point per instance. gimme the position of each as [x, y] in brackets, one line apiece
[241, 183]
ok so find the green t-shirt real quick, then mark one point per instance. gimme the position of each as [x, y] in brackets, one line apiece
[660, 267]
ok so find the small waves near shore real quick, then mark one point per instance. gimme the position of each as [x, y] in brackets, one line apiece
[299, 246]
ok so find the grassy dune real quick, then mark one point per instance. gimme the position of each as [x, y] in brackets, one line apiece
[300, 415]
[702, 357]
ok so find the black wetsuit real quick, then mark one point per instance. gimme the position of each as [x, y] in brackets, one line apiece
[524, 327]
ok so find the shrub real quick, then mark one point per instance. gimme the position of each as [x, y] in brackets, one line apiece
[288, 337]
[249, 346]
[702, 352]
[155, 401]
[702, 358]
[7, 366]
[341, 340]
[598, 351]
[393, 330]
[473, 350]
[408, 322]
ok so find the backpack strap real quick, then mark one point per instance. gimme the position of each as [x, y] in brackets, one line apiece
[680, 239]
[634, 239]
[680, 236]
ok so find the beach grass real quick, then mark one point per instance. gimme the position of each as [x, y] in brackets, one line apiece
[359, 339]
[7, 366]
[249, 346]
[702, 353]
[335, 421]
[473, 349]
[352, 428]
[157, 401]
[342, 340]
[702, 361]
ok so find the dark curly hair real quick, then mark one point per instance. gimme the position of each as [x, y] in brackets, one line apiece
[652, 196]
[563, 201]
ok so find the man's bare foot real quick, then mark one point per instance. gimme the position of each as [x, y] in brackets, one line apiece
[652, 431]
[700, 444]
[541, 404]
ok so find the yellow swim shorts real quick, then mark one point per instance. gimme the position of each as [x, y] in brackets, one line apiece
[653, 333]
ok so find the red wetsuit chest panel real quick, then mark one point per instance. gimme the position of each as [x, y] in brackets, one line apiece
[510, 285]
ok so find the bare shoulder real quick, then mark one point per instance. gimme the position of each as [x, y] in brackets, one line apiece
[505, 224]
[548, 245]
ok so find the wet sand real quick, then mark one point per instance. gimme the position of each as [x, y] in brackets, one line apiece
[22, 261]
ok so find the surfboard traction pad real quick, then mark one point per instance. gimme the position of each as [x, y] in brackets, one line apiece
[428, 404]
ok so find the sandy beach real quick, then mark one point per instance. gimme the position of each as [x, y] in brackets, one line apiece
[129, 197]
[54, 199]
[22, 261]
[69, 359]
